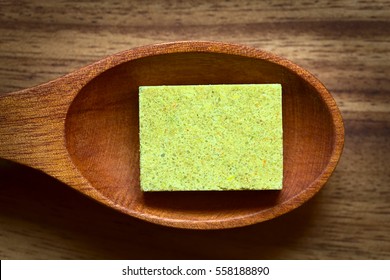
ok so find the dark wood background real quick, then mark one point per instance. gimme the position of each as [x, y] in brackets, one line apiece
[346, 44]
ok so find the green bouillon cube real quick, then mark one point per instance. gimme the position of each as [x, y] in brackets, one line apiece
[211, 137]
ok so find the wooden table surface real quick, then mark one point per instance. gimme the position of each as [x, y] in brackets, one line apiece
[346, 44]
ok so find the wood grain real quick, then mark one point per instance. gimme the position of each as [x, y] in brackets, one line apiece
[345, 44]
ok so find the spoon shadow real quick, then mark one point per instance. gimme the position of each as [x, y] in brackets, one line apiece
[71, 226]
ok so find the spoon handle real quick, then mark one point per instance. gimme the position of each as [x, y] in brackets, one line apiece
[32, 126]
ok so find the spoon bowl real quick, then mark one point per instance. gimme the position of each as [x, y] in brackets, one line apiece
[83, 130]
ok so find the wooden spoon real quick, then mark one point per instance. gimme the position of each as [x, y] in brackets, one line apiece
[83, 130]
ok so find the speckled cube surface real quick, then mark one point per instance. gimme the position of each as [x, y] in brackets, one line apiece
[211, 137]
